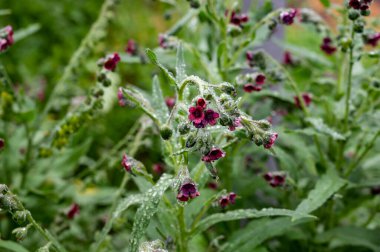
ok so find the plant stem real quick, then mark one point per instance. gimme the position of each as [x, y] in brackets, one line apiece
[349, 82]
[182, 229]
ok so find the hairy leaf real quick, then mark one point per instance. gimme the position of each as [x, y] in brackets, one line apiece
[321, 127]
[158, 101]
[351, 236]
[148, 208]
[326, 186]
[256, 232]
[123, 206]
[244, 214]
[153, 58]
[180, 67]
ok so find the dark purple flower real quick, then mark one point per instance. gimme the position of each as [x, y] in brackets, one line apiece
[131, 47]
[188, 190]
[375, 190]
[74, 210]
[249, 56]
[232, 197]
[237, 19]
[126, 163]
[269, 140]
[212, 185]
[287, 17]
[202, 103]
[275, 179]
[373, 39]
[158, 168]
[224, 201]
[249, 88]
[327, 46]
[236, 123]
[288, 60]
[196, 114]
[307, 99]
[163, 41]
[2, 143]
[121, 98]
[213, 155]
[260, 79]
[356, 4]
[210, 117]
[6, 38]
[111, 62]
[200, 125]
[170, 102]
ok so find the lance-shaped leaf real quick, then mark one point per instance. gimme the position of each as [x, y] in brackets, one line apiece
[147, 209]
[11, 246]
[327, 186]
[258, 231]
[244, 214]
[123, 206]
[138, 98]
[321, 127]
[158, 101]
[180, 67]
[153, 58]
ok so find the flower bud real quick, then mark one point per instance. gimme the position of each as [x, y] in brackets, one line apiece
[228, 89]
[234, 30]
[359, 27]
[225, 120]
[184, 128]
[166, 132]
[20, 216]
[365, 12]
[194, 4]
[8, 203]
[353, 14]
[20, 233]
[264, 124]
[3, 189]
[191, 140]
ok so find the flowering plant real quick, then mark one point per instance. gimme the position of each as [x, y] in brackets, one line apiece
[227, 133]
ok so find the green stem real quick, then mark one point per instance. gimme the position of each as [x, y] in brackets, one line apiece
[349, 82]
[182, 229]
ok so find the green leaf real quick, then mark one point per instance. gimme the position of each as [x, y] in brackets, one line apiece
[180, 67]
[153, 58]
[123, 206]
[158, 101]
[258, 231]
[148, 208]
[137, 97]
[25, 32]
[12, 246]
[325, 3]
[5, 12]
[326, 186]
[321, 127]
[182, 22]
[244, 214]
[351, 236]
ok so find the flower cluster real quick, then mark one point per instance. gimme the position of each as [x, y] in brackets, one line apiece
[287, 17]
[226, 200]
[362, 5]
[200, 116]
[187, 190]
[327, 46]
[256, 82]
[275, 179]
[6, 38]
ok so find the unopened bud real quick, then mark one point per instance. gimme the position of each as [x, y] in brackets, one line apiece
[191, 141]
[353, 14]
[20, 216]
[264, 124]
[8, 203]
[184, 128]
[234, 30]
[3, 189]
[166, 132]
[20, 233]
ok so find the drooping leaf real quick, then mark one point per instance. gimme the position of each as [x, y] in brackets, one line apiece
[123, 206]
[321, 127]
[351, 236]
[153, 58]
[244, 214]
[257, 231]
[326, 186]
[147, 209]
[12, 246]
[180, 67]
[138, 98]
